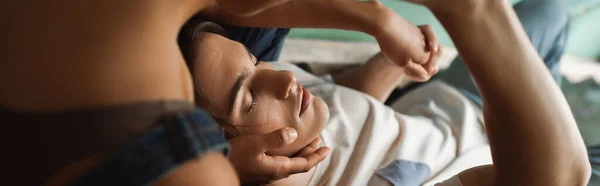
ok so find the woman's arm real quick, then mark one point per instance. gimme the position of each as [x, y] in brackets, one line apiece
[338, 14]
[533, 136]
[400, 41]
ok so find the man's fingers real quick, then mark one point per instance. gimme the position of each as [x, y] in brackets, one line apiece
[416, 72]
[278, 138]
[423, 59]
[431, 66]
[430, 38]
[310, 148]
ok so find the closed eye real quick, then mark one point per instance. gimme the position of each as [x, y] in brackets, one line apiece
[253, 102]
[252, 92]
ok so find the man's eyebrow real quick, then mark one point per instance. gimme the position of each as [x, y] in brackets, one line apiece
[237, 87]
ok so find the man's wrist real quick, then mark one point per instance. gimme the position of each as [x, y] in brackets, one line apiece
[381, 65]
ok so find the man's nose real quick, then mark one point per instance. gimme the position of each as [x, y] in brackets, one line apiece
[278, 83]
[288, 84]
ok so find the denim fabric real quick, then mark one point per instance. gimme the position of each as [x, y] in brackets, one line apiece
[547, 25]
[176, 139]
[264, 43]
[405, 173]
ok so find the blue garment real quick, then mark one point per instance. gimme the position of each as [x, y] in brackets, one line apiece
[547, 25]
[264, 43]
[405, 173]
[175, 140]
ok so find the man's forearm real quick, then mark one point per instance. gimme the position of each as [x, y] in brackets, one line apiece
[377, 78]
[533, 135]
[336, 14]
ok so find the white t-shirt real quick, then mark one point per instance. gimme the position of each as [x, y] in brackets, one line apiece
[429, 135]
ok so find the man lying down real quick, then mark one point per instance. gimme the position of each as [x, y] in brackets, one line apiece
[365, 135]
[428, 136]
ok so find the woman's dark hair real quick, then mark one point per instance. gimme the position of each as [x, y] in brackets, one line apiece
[191, 33]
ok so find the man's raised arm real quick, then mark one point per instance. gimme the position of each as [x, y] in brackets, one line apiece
[533, 136]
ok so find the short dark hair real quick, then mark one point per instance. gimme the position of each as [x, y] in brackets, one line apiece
[191, 33]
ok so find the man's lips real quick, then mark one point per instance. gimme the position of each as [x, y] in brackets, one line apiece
[306, 98]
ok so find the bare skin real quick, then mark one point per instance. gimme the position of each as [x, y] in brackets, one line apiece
[265, 100]
[74, 55]
[378, 77]
[516, 115]
[84, 54]
[401, 42]
[533, 136]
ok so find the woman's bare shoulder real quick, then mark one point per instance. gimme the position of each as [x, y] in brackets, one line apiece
[97, 52]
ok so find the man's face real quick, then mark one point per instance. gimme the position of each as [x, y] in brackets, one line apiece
[251, 97]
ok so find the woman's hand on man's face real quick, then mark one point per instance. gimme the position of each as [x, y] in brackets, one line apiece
[255, 167]
[416, 49]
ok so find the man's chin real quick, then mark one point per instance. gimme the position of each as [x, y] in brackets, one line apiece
[321, 111]
[321, 116]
